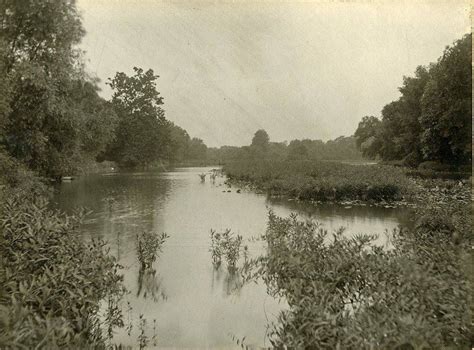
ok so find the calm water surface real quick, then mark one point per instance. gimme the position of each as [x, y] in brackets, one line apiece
[194, 306]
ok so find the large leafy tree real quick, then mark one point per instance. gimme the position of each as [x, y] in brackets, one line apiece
[44, 123]
[260, 139]
[366, 136]
[143, 132]
[432, 118]
[446, 106]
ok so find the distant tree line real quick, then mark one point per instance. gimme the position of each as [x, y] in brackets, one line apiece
[432, 120]
[52, 118]
[342, 148]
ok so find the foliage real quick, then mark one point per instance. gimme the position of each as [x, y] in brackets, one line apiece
[366, 136]
[227, 245]
[148, 245]
[341, 148]
[321, 181]
[446, 115]
[52, 281]
[431, 121]
[51, 115]
[347, 292]
[260, 140]
[144, 135]
[141, 119]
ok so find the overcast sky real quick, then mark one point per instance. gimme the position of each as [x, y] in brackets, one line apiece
[297, 70]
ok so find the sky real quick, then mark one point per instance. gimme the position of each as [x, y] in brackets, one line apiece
[296, 69]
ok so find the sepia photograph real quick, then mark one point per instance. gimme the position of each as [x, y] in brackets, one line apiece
[236, 174]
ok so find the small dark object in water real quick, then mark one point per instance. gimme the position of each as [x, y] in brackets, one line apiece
[238, 191]
[229, 191]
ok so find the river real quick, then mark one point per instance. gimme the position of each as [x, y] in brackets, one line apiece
[188, 304]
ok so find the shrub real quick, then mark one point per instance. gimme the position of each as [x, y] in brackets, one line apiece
[227, 245]
[348, 293]
[148, 245]
[53, 282]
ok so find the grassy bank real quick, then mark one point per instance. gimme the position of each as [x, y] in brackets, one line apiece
[322, 181]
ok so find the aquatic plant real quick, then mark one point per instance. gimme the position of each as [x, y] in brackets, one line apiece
[142, 337]
[216, 249]
[321, 181]
[148, 244]
[347, 292]
[203, 177]
[58, 290]
[226, 245]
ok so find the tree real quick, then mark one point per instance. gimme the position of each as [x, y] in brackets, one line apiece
[197, 149]
[432, 118]
[366, 136]
[99, 119]
[297, 150]
[446, 115]
[260, 139]
[142, 131]
[41, 66]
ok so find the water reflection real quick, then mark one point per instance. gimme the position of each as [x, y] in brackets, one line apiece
[150, 284]
[193, 304]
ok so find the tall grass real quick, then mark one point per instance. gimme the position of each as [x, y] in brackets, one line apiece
[322, 181]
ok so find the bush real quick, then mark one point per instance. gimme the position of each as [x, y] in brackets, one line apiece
[53, 283]
[148, 244]
[227, 245]
[348, 293]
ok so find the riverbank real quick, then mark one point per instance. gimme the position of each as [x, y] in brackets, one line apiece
[347, 184]
[347, 292]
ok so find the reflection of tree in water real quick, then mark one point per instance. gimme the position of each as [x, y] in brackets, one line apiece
[150, 284]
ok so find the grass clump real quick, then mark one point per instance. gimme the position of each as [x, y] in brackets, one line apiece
[226, 245]
[148, 245]
[322, 181]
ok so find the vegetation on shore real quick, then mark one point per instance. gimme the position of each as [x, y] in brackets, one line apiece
[348, 292]
[57, 289]
[322, 181]
[341, 149]
[431, 123]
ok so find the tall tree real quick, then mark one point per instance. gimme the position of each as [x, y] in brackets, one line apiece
[142, 131]
[366, 136]
[432, 118]
[446, 115]
[260, 139]
[42, 66]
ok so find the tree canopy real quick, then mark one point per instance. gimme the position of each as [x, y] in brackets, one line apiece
[431, 121]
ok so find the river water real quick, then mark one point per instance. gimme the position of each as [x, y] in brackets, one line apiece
[187, 304]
